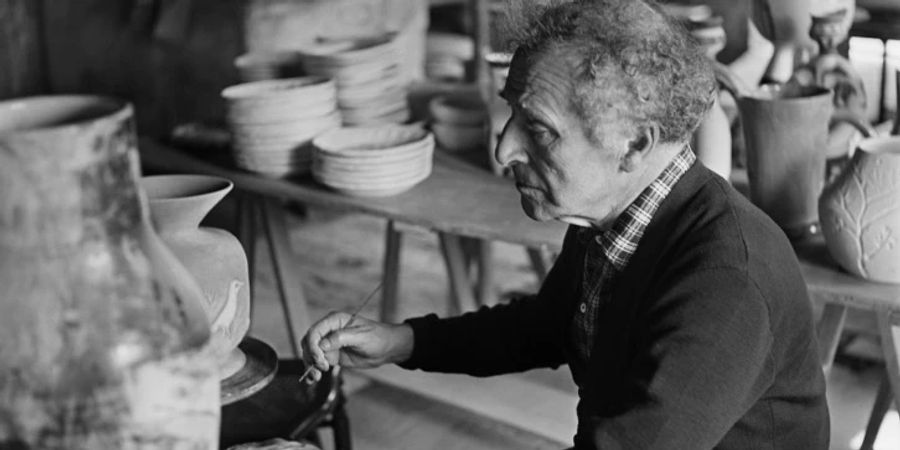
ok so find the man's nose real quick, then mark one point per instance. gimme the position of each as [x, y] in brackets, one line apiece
[511, 146]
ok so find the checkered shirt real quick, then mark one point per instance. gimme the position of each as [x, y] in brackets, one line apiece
[607, 252]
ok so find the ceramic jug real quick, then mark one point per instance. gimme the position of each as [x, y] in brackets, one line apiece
[178, 203]
[102, 337]
[712, 139]
[860, 211]
[785, 130]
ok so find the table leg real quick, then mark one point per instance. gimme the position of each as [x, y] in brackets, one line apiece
[829, 331]
[247, 212]
[293, 302]
[393, 240]
[460, 287]
[889, 330]
[879, 410]
[486, 295]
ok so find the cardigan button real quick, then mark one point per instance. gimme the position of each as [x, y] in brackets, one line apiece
[582, 308]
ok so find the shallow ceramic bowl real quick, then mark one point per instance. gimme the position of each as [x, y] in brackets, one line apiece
[312, 89]
[457, 138]
[382, 189]
[258, 66]
[456, 110]
[377, 140]
[287, 111]
[345, 53]
[297, 131]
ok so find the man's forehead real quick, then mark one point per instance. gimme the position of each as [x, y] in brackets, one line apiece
[533, 71]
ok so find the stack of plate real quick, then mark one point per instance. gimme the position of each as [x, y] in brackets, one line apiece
[273, 122]
[373, 161]
[256, 66]
[371, 87]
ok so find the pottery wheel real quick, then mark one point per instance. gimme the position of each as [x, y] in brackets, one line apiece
[258, 370]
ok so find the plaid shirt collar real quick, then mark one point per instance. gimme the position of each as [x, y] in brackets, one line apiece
[621, 240]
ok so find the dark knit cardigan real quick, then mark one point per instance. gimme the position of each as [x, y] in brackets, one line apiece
[707, 342]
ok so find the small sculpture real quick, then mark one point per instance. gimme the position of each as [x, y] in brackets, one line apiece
[830, 69]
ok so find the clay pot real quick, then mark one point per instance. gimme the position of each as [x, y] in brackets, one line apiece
[215, 258]
[785, 129]
[102, 334]
[860, 212]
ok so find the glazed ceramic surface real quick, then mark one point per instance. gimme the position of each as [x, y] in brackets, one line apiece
[860, 212]
[215, 258]
[102, 337]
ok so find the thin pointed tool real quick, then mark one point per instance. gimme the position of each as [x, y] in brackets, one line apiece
[349, 322]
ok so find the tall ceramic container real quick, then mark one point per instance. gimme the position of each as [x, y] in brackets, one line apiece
[102, 338]
[860, 212]
[785, 133]
[213, 256]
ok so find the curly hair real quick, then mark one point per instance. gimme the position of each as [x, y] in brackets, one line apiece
[637, 63]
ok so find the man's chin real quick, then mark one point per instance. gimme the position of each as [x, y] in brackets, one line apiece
[534, 212]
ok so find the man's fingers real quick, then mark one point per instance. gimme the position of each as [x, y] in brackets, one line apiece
[348, 337]
[321, 329]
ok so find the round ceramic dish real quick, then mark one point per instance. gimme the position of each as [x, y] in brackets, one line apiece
[258, 66]
[348, 53]
[458, 110]
[457, 138]
[380, 190]
[338, 166]
[362, 141]
[288, 111]
[312, 89]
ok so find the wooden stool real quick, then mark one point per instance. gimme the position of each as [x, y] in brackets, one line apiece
[289, 409]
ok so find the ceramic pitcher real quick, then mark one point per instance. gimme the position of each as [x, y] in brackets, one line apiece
[785, 130]
[216, 259]
[102, 338]
[860, 212]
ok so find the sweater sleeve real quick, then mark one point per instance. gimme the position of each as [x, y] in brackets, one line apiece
[703, 359]
[523, 334]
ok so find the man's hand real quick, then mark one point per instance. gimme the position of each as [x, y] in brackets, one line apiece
[362, 344]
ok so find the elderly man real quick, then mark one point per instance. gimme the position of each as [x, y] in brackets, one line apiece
[678, 306]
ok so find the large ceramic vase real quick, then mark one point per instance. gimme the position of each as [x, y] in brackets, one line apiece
[785, 131]
[178, 203]
[102, 337]
[860, 212]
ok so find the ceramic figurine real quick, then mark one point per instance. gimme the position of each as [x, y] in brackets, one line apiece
[102, 335]
[786, 24]
[213, 256]
[833, 71]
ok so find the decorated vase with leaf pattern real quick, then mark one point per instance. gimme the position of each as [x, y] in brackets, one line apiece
[860, 212]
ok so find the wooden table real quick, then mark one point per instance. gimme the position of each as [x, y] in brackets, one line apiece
[459, 200]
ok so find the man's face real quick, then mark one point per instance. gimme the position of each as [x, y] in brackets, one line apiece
[561, 173]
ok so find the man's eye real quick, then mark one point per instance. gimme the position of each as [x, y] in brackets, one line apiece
[540, 134]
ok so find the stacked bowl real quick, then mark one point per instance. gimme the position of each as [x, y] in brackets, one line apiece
[459, 123]
[272, 122]
[256, 66]
[373, 161]
[371, 87]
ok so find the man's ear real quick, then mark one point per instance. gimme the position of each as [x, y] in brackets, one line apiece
[640, 147]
